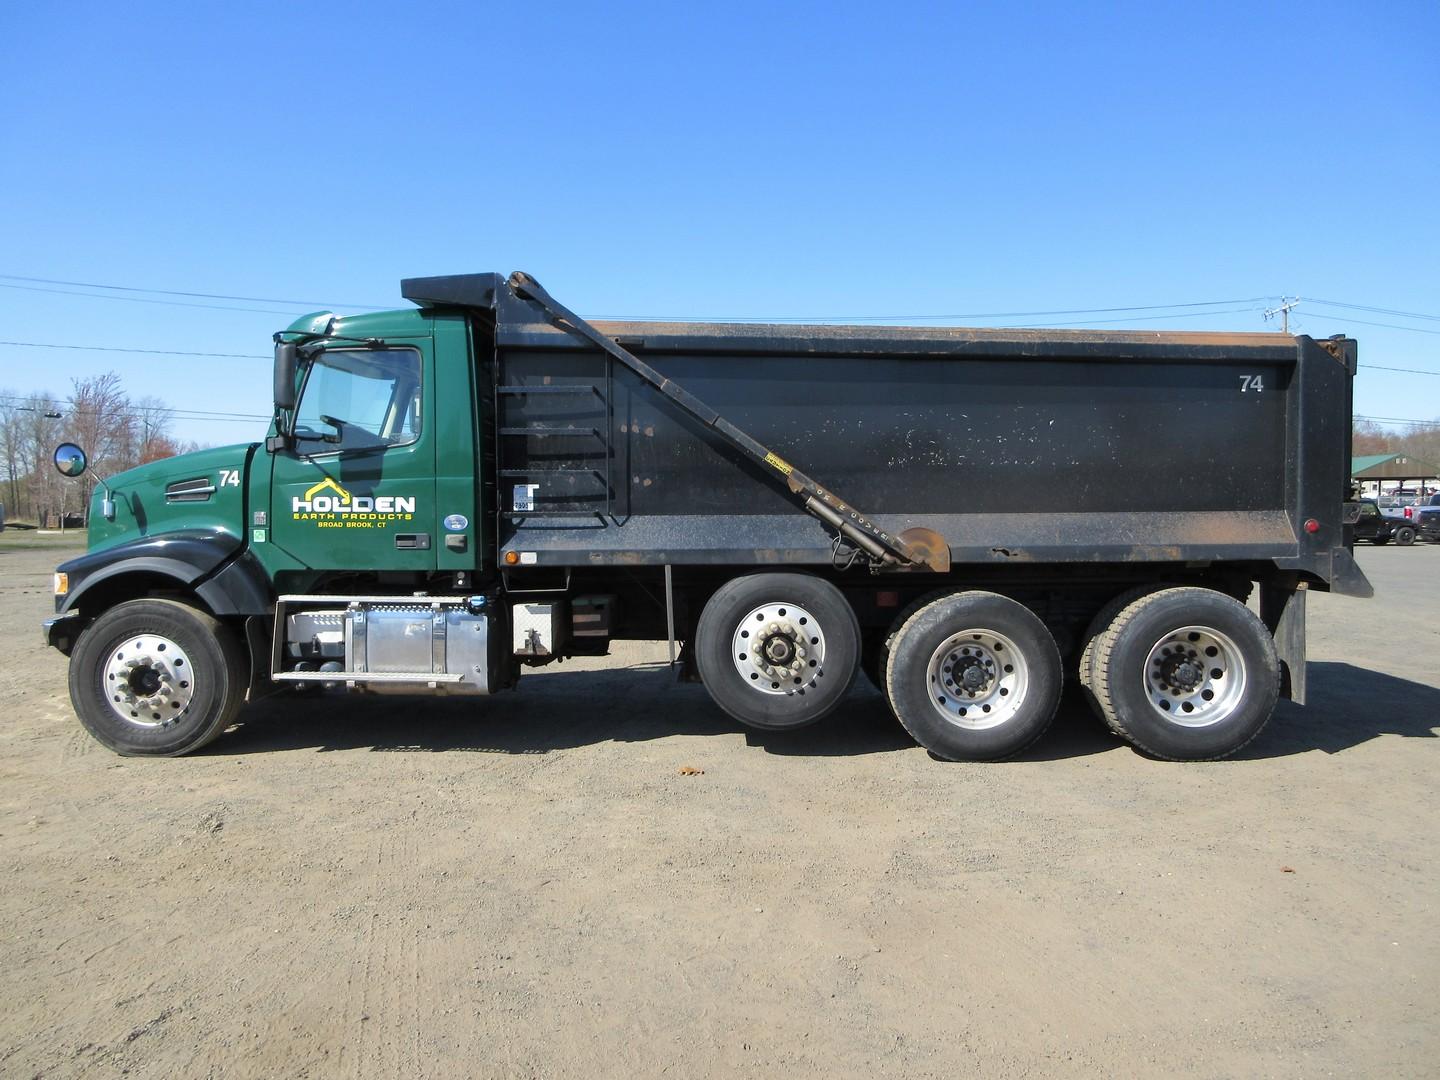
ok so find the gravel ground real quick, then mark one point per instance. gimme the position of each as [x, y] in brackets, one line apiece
[529, 886]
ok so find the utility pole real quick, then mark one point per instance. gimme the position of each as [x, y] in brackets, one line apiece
[1283, 310]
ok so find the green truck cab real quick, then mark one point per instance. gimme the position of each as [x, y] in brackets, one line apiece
[487, 482]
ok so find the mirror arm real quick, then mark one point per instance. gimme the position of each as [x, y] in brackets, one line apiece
[107, 504]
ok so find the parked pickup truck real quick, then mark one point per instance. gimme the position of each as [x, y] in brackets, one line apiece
[1427, 519]
[1374, 526]
[1397, 507]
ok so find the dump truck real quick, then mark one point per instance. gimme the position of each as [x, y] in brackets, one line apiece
[486, 482]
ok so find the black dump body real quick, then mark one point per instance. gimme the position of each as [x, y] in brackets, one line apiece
[1019, 447]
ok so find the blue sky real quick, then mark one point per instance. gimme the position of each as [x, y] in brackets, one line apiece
[760, 161]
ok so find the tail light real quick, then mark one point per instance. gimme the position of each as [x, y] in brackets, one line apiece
[1409, 512]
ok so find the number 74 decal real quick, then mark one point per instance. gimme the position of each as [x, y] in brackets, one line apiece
[229, 477]
[1252, 382]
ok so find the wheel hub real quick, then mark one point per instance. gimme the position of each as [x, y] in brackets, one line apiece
[1181, 672]
[971, 674]
[978, 679]
[148, 681]
[779, 649]
[1194, 676]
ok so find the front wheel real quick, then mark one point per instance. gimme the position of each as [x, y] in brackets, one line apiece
[1187, 674]
[974, 676]
[777, 651]
[156, 678]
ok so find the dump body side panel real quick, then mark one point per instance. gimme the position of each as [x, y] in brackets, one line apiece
[1097, 448]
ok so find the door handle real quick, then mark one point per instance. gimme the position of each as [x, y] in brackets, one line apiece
[412, 541]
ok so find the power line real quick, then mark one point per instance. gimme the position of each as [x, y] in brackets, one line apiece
[313, 304]
[1408, 370]
[319, 304]
[1392, 326]
[117, 348]
[786, 318]
[1395, 420]
[1377, 310]
[650, 318]
[186, 414]
[1143, 318]
[145, 300]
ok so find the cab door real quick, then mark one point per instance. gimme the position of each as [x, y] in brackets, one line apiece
[357, 489]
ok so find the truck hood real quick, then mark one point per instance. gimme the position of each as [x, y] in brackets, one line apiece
[202, 490]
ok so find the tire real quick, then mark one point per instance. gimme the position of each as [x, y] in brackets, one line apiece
[140, 703]
[1014, 663]
[875, 649]
[787, 613]
[1097, 626]
[1405, 535]
[1182, 710]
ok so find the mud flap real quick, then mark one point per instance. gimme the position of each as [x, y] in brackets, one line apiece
[1283, 611]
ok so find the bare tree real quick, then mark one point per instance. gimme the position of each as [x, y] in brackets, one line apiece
[153, 417]
[1368, 437]
[12, 438]
[101, 421]
[43, 428]
[1422, 442]
[116, 434]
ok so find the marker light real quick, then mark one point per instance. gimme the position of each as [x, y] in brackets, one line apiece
[62, 584]
[1311, 525]
[511, 558]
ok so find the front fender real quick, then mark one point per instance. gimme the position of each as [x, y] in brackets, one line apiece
[187, 557]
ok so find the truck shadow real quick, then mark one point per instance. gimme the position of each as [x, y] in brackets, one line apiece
[1348, 706]
[565, 710]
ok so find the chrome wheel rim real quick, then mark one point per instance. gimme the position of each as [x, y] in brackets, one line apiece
[978, 679]
[779, 649]
[1194, 676]
[148, 681]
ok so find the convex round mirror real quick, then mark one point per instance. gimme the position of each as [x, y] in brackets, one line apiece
[70, 459]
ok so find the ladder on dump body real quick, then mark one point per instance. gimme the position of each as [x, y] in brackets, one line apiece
[556, 483]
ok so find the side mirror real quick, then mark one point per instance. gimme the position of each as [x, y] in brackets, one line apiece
[285, 361]
[70, 460]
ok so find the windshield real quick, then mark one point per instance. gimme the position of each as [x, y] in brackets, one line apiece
[369, 397]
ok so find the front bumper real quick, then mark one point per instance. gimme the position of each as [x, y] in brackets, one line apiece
[61, 631]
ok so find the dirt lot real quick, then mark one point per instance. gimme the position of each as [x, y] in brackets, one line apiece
[528, 886]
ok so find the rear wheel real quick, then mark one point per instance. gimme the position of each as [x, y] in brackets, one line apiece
[1405, 535]
[973, 676]
[156, 678]
[1098, 625]
[777, 651]
[1187, 674]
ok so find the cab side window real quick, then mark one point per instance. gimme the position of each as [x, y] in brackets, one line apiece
[360, 399]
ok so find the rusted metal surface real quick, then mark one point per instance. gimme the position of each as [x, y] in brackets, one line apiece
[650, 331]
[928, 547]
